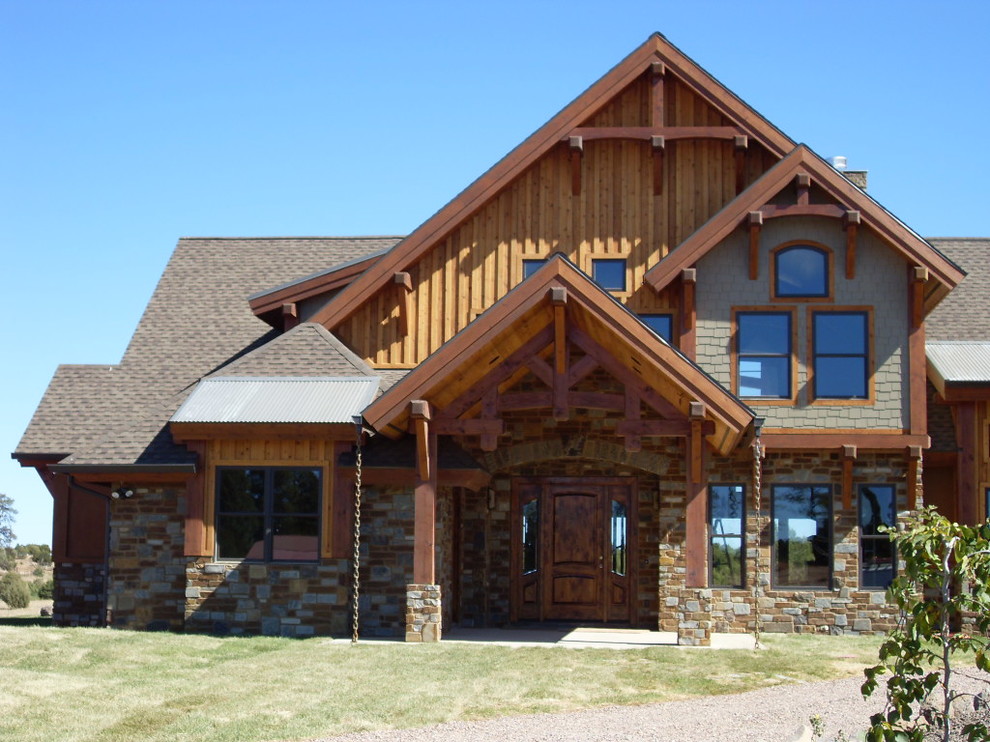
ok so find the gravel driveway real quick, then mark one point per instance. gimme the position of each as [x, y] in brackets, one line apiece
[776, 714]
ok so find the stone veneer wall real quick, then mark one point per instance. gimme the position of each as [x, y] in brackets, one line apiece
[146, 564]
[273, 599]
[79, 594]
[845, 608]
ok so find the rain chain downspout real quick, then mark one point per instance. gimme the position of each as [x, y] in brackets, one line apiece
[758, 452]
[358, 424]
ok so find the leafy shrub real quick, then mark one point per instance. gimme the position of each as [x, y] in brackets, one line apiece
[13, 591]
[946, 578]
[8, 560]
[45, 589]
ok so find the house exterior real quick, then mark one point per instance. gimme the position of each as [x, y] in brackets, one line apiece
[661, 366]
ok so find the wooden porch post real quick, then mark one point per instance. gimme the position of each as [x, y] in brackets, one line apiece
[423, 600]
[696, 510]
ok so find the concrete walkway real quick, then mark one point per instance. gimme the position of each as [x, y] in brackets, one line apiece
[589, 637]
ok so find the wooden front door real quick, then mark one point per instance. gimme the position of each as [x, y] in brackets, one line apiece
[571, 544]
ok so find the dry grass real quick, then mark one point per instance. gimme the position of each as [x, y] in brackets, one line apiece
[96, 684]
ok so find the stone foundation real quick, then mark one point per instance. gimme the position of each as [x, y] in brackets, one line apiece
[423, 613]
[79, 594]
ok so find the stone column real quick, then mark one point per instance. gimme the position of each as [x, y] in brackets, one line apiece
[423, 613]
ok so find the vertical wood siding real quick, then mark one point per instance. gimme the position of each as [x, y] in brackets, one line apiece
[616, 215]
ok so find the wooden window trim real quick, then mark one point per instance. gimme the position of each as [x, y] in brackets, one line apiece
[589, 270]
[829, 267]
[734, 354]
[870, 370]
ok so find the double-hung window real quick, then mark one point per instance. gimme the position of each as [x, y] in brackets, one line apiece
[841, 354]
[802, 535]
[877, 507]
[268, 513]
[726, 526]
[763, 354]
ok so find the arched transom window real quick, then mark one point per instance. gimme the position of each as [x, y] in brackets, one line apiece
[801, 271]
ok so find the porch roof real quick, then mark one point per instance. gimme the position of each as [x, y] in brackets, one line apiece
[528, 324]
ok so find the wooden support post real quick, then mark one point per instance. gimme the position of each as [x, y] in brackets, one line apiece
[658, 145]
[577, 150]
[424, 496]
[741, 142]
[966, 462]
[696, 507]
[919, 276]
[917, 364]
[195, 536]
[657, 72]
[755, 225]
[803, 183]
[558, 297]
[851, 222]
[290, 316]
[848, 457]
[403, 288]
[689, 279]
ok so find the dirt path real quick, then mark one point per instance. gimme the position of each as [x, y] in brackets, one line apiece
[777, 714]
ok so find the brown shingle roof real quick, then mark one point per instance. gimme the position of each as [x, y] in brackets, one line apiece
[197, 322]
[965, 313]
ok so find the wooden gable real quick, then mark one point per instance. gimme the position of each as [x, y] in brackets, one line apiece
[632, 167]
[535, 330]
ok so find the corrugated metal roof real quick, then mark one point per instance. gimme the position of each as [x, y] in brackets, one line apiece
[277, 400]
[960, 362]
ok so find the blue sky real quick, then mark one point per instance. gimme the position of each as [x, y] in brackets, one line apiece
[126, 125]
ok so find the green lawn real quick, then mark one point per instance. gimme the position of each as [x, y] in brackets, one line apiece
[98, 684]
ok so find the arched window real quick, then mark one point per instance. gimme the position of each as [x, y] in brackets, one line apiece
[801, 271]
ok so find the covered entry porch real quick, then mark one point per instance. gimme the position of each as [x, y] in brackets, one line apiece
[593, 429]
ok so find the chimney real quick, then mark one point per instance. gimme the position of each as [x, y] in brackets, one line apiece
[857, 177]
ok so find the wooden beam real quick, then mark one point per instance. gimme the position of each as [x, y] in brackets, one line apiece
[195, 531]
[965, 415]
[290, 316]
[425, 516]
[741, 143]
[852, 222]
[657, 145]
[848, 457]
[775, 211]
[688, 339]
[657, 72]
[864, 441]
[520, 358]
[515, 401]
[645, 133]
[755, 221]
[419, 411]
[471, 426]
[342, 528]
[576, 144]
[489, 411]
[696, 508]
[661, 428]
[580, 369]
[803, 183]
[608, 362]
[403, 287]
[919, 277]
[558, 299]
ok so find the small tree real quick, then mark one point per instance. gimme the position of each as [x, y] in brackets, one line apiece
[14, 591]
[946, 576]
[7, 514]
